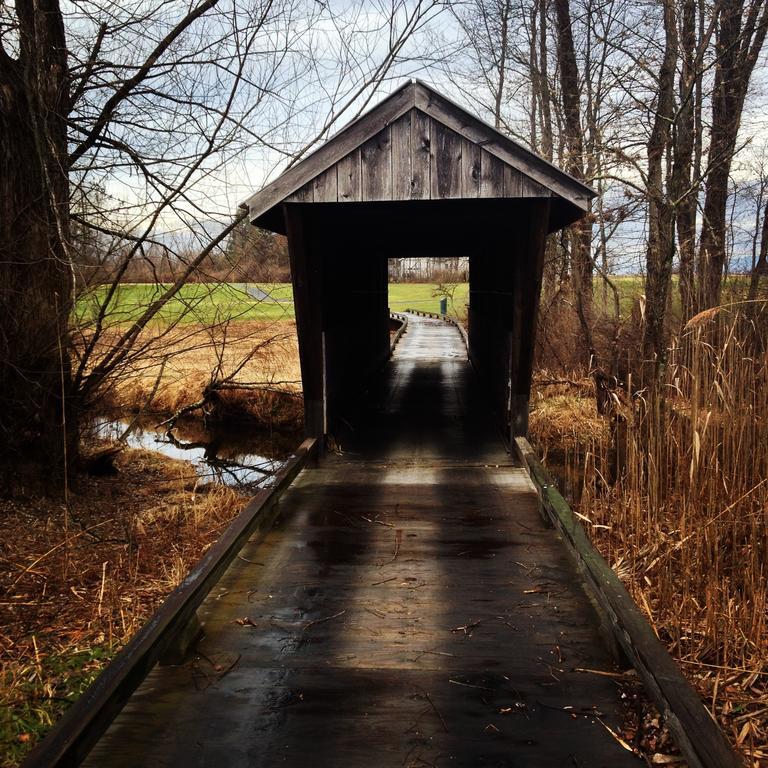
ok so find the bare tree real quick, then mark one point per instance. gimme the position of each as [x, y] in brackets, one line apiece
[687, 144]
[759, 250]
[36, 280]
[661, 223]
[581, 234]
[741, 28]
[147, 102]
[486, 27]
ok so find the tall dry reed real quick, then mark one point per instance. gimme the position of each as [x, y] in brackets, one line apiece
[675, 495]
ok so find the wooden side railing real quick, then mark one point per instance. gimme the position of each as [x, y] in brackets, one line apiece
[695, 731]
[173, 626]
[403, 320]
[446, 319]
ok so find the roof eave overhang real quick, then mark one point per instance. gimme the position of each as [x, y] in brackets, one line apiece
[265, 205]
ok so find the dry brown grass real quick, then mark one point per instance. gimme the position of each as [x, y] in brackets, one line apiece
[564, 415]
[684, 525]
[188, 359]
[77, 581]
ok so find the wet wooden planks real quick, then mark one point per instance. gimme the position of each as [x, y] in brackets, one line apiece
[401, 613]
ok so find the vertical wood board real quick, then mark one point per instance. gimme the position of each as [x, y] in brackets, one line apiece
[491, 176]
[446, 163]
[305, 194]
[470, 169]
[326, 186]
[421, 155]
[349, 178]
[376, 167]
[512, 181]
[401, 157]
[531, 188]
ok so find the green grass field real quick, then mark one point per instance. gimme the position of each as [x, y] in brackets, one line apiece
[217, 302]
[211, 303]
[422, 296]
[194, 303]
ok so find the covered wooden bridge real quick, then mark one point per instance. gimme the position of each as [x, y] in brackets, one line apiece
[401, 601]
[416, 176]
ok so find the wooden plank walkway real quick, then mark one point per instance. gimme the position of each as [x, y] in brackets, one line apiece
[410, 609]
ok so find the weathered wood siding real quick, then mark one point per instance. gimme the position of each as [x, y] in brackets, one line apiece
[418, 158]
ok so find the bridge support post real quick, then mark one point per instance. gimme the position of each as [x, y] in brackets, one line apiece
[528, 268]
[505, 281]
[306, 274]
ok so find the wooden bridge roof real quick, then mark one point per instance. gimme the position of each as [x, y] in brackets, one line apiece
[418, 145]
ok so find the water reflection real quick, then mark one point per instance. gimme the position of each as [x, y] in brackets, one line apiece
[229, 457]
[566, 468]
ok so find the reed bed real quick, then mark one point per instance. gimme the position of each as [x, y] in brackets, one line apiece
[674, 493]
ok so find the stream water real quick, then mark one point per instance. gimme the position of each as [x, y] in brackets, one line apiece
[240, 458]
[251, 458]
[567, 470]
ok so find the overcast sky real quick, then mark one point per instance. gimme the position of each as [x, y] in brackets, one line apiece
[333, 48]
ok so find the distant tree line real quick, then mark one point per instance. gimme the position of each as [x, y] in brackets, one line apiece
[250, 255]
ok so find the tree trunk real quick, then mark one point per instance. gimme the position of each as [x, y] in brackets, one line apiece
[545, 109]
[580, 234]
[37, 429]
[740, 35]
[501, 65]
[760, 268]
[684, 176]
[661, 233]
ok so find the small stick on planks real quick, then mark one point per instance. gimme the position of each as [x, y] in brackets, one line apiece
[467, 628]
[398, 539]
[617, 675]
[320, 621]
[383, 581]
[437, 711]
[434, 708]
[434, 653]
[376, 521]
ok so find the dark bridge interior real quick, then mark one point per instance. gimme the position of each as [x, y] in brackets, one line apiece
[415, 176]
[339, 254]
